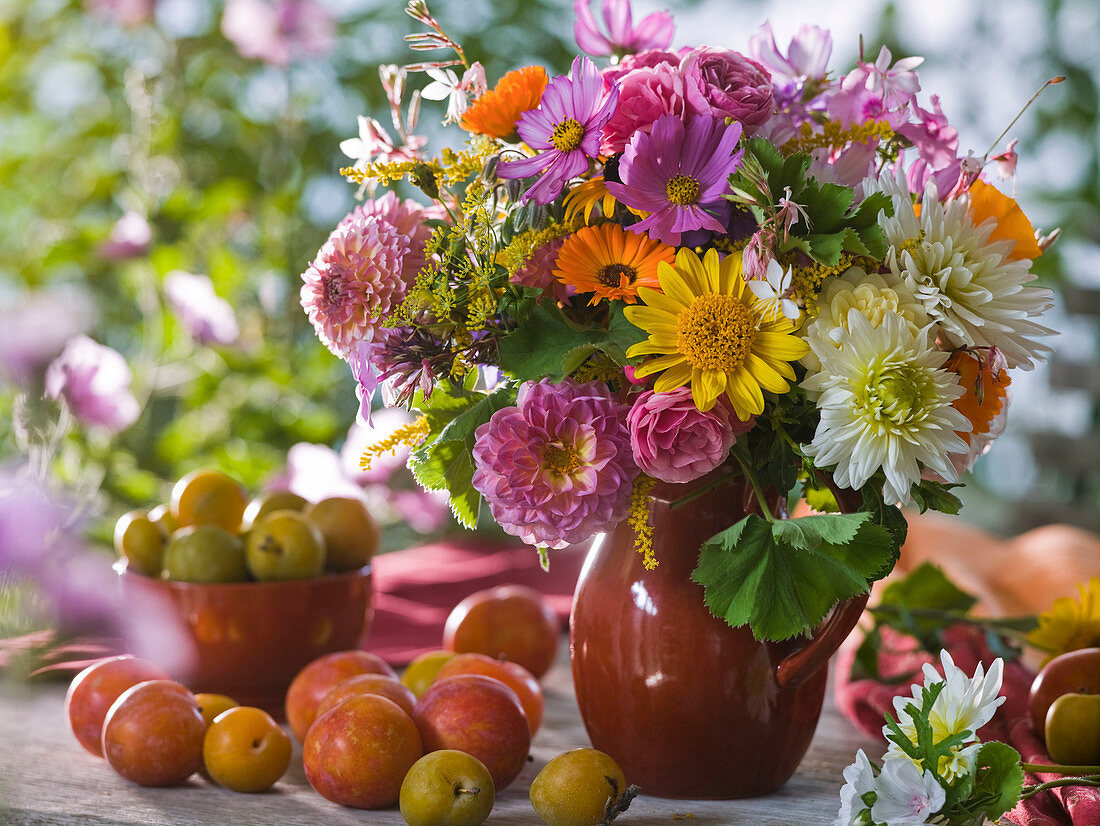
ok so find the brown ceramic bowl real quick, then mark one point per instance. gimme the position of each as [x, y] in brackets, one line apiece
[246, 639]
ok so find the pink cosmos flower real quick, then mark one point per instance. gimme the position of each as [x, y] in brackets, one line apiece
[208, 317]
[130, 237]
[654, 32]
[674, 442]
[679, 173]
[936, 142]
[726, 84]
[644, 96]
[278, 31]
[564, 130]
[355, 279]
[407, 217]
[94, 380]
[556, 468]
[807, 57]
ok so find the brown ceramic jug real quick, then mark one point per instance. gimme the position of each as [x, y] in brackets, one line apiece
[687, 705]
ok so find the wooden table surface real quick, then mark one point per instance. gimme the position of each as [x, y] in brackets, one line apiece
[47, 778]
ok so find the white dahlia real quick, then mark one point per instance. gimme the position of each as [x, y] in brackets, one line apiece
[967, 283]
[874, 295]
[885, 403]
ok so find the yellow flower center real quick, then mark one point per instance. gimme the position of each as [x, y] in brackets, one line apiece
[567, 135]
[682, 189]
[897, 397]
[611, 274]
[560, 460]
[715, 332]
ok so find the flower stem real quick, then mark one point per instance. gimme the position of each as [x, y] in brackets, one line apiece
[1077, 771]
[765, 510]
[1031, 791]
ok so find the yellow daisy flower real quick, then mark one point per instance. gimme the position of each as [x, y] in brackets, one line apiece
[583, 199]
[611, 262]
[707, 328]
[1070, 624]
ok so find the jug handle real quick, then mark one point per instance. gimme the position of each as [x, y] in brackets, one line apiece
[796, 668]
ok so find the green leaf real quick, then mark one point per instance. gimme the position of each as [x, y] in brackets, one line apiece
[826, 249]
[821, 500]
[888, 516]
[999, 776]
[807, 533]
[540, 346]
[752, 574]
[927, 587]
[827, 205]
[936, 496]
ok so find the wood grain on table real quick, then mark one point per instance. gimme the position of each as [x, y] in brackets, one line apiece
[47, 778]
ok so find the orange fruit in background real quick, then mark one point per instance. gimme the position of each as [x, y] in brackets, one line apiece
[422, 671]
[209, 497]
[378, 684]
[508, 622]
[246, 750]
[211, 705]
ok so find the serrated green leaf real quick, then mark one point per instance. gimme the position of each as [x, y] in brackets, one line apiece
[539, 347]
[807, 533]
[866, 214]
[827, 205]
[999, 776]
[826, 249]
[888, 516]
[852, 242]
[752, 577]
[821, 500]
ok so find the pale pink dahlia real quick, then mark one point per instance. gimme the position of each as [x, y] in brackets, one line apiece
[556, 468]
[355, 279]
[407, 216]
[674, 442]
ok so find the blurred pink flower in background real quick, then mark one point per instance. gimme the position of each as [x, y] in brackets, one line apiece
[128, 13]
[653, 32]
[208, 318]
[34, 328]
[130, 237]
[278, 31]
[94, 380]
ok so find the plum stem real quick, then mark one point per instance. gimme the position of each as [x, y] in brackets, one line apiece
[463, 790]
[619, 802]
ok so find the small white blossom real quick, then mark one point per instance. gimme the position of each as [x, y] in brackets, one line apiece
[905, 796]
[859, 778]
[773, 290]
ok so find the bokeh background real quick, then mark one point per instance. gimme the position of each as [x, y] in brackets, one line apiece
[141, 138]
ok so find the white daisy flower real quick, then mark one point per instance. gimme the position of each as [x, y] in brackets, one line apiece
[859, 779]
[874, 295]
[885, 403]
[905, 796]
[965, 704]
[965, 281]
[773, 291]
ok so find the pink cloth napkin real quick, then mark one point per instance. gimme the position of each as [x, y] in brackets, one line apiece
[415, 589]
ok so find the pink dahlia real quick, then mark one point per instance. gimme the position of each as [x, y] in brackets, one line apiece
[407, 217]
[649, 59]
[355, 280]
[556, 468]
[726, 84]
[673, 441]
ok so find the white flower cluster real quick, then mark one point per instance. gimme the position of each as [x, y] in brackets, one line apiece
[901, 792]
[880, 342]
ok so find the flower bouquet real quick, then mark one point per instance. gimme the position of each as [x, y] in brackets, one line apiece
[686, 262]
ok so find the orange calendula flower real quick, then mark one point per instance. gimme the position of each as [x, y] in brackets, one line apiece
[1012, 225]
[497, 112]
[985, 389]
[610, 262]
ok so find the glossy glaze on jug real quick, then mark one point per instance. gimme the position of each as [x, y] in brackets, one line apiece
[688, 706]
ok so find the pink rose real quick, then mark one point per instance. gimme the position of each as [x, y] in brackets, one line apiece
[644, 96]
[673, 441]
[722, 83]
[649, 59]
